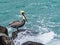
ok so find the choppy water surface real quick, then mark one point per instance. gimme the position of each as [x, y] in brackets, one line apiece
[42, 15]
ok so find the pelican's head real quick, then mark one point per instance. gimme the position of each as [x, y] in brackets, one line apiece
[22, 12]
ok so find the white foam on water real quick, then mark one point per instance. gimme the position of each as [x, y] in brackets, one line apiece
[54, 42]
[9, 30]
[18, 16]
[43, 29]
[47, 37]
[42, 38]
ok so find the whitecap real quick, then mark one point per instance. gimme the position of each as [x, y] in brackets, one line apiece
[42, 38]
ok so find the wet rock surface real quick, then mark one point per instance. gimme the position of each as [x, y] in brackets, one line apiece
[14, 34]
[32, 43]
[4, 38]
[28, 31]
[3, 30]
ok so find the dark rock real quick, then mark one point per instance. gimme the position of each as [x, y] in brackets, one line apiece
[32, 43]
[14, 34]
[3, 30]
[5, 40]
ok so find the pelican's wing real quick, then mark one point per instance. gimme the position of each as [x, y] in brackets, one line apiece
[14, 22]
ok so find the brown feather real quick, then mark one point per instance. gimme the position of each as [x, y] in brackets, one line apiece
[17, 24]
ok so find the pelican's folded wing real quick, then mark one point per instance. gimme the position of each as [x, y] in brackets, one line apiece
[14, 22]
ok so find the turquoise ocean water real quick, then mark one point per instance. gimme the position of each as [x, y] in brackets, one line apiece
[40, 14]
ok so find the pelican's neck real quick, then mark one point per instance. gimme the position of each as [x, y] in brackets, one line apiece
[23, 17]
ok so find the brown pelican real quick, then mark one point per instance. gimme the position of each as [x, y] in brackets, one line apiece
[16, 24]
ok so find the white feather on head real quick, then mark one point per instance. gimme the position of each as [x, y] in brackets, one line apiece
[22, 11]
